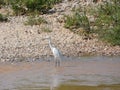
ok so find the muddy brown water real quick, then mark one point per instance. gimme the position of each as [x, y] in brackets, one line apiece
[82, 73]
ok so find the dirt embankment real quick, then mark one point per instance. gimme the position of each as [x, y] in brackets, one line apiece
[18, 40]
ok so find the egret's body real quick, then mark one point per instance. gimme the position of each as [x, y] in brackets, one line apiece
[56, 53]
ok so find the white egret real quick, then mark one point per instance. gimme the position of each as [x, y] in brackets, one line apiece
[56, 53]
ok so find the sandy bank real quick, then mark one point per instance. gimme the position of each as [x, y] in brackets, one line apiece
[20, 41]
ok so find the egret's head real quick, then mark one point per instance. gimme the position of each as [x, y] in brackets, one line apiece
[47, 37]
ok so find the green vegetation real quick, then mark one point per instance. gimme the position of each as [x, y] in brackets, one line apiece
[3, 18]
[35, 20]
[77, 21]
[21, 7]
[2, 3]
[108, 22]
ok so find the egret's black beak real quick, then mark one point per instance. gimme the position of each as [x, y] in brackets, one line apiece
[43, 39]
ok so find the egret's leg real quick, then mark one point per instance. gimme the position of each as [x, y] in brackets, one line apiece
[56, 62]
[59, 62]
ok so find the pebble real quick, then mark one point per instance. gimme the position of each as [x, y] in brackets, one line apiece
[26, 41]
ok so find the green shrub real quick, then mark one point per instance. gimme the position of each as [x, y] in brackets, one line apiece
[35, 20]
[113, 36]
[76, 21]
[108, 22]
[40, 5]
[28, 6]
[5, 2]
[3, 18]
[2, 2]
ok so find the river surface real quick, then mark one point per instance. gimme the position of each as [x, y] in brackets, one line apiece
[82, 73]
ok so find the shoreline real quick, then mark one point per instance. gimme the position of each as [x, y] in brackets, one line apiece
[18, 40]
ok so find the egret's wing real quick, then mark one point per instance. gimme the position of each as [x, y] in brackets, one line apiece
[57, 53]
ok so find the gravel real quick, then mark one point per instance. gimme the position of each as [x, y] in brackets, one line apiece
[20, 41]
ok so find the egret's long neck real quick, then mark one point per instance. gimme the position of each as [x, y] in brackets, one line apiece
[50, 44]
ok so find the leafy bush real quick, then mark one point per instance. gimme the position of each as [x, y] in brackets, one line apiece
[3, 18]
[35, 20]
[40, 5]
[77, 21]
[28, 6]
[108, 22]
[2, 2]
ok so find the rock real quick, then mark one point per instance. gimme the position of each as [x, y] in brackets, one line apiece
[18, 40]
[60, 18]
[51, 11]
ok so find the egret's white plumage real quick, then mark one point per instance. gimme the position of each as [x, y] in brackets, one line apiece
[56, 52]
